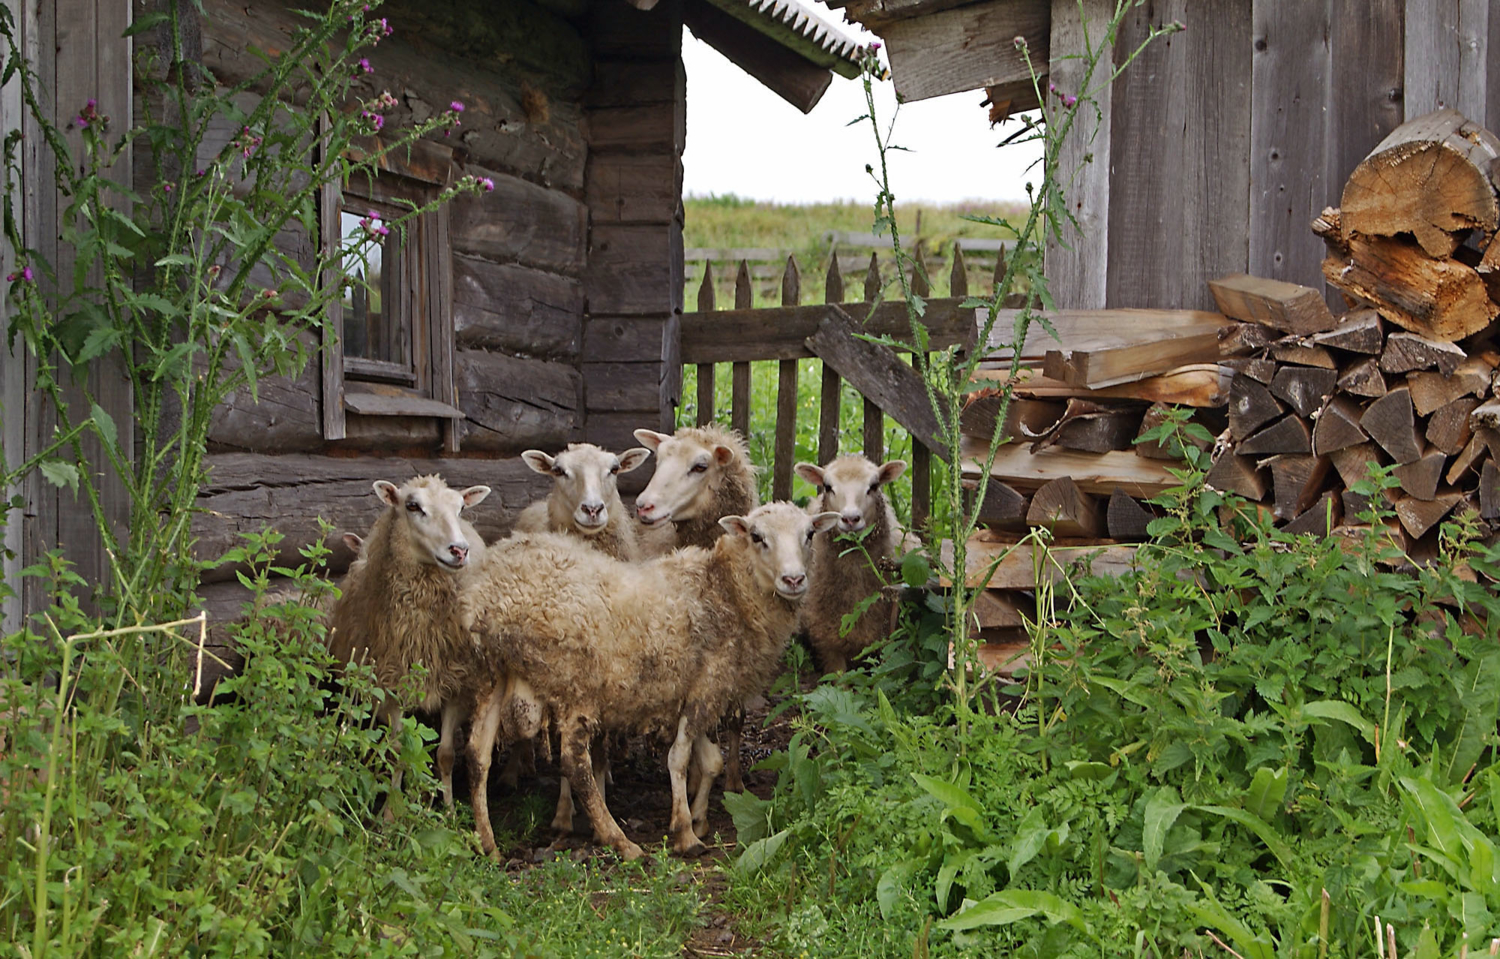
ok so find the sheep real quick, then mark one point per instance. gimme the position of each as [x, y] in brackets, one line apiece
[585, 500]
[843, 564]
[399, 606]
[663, 646]
[702, 473]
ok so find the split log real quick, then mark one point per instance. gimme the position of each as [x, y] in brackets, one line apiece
[1337, 427]
[1232, 473]
[1274, 303]
[1296, 481]
[994, 609]
[1363, 379]
[1432, 391]
[1448, 429]
[1353, 463]
[1304, 387]
[1486, 415]
[1466, 459]
[1405, 352]
[1251, 406]
[1489, 491]
[1420, 477]
[1126, 518]
[1003, 507]
[1432, 176]
[1389, 421]
[1320, 519]
[1300, 353]
[1359, 331]
[1290, 434]
[979, 413]
[1244, 339]
[1440, 299]
[1261, 369]
[1062, 508]
[1152, 449]
[1417, 516]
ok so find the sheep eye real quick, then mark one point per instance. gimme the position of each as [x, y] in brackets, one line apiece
[757, 538]
[412, 506]
[810, 534]
[613, 470]
[828, 488]
[699, 468]
[874, 486]
[559, 471]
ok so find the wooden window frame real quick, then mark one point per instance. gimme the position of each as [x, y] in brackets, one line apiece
[374, 387]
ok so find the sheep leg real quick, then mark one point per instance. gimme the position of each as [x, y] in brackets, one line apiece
[734, 725]
[482, 736]
[708, 762]
[454, 713]
[578, 767]
[390, 714]
[562, 819]
[522, 761]
[684, 839]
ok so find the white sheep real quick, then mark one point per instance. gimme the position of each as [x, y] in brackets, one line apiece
[843, 564]
[703, 473]
[665, 646]
[399, 606]
[585, 499]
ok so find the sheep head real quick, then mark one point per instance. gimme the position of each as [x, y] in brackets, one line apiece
[687, 473]
[850, 487]
[585, 479]
[427, 515]
[779, 538]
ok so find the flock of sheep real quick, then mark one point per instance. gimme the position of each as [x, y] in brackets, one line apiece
[587, 621]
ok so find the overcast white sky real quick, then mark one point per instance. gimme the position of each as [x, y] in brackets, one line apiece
[744, 139]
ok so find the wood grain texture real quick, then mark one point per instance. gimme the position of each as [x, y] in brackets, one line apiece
[1097, 473]
[966, 48]
[521, 222]
[1202, 385]
[1077, 262]
[503, 306]
[513, 404]
[1080, 365]
[777, 333]
[1004, 566]
[1275, 303]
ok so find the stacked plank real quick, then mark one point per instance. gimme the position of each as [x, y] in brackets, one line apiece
[1406, 377]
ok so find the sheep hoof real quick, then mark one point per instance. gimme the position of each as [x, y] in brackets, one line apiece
[700, 827]
[562, 824]
[629, 850]
[693, 850]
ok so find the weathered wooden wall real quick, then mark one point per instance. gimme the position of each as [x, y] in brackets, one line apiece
[1223, 141]
[637, 119]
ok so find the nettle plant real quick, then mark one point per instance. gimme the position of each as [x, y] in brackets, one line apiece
[948, 375]
[185, 285]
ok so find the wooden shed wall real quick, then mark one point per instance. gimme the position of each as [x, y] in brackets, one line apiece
[1223, 141]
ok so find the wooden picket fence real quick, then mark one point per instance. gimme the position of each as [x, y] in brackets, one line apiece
[793, 331]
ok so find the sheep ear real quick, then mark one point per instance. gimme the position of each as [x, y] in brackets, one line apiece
[475, 495]
[354, 542]
[539, 462]
[630, 459]
[824, 522]
[651, 439]
[813, 474]
[388, 493]
[890, 470]
[723, 454]
[738, 524]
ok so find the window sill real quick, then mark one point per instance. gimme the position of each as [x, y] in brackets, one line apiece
[379, 404]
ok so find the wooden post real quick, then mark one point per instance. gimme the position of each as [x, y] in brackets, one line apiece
[706, 370]
[786, 396]
[921, 457]
[828, 414]
[739, 409]
[874, 444]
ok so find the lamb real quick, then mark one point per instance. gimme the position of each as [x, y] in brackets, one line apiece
[399, 606]
[843, 565]
[585, 500]
[663, 646]
[703, 473]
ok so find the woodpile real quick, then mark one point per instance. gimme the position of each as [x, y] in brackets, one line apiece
[1303, 398]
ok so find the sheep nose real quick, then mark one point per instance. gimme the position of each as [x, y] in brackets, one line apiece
[591, 511]
[459, 553]
[851, 518]
[645, 509]
[794, 580]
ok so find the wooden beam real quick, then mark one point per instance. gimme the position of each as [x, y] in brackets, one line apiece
[1077, 259]
[778, 333]
[1111, 366]
[1274, 303]
[1016, 567]
[1097, 473]
[967, 48]
[1201, 385]
[1095, 329]
[784, 72]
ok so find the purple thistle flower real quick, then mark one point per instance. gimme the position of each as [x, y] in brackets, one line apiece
[488, 184]
[456, 106]
[167, 187]
[363, 66]
[1068, 99]
[202, 172]
[26, 274]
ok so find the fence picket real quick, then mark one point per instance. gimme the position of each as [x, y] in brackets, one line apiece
[739, 402]
[919, 283]
[786, 396]
[999, 276]
[706, 370]
[828, 414]
[958, 277]
[874, 444]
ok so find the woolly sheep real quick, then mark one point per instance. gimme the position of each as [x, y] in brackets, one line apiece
[399, 605]
[663, 646]
[843, 570]
[585, 500]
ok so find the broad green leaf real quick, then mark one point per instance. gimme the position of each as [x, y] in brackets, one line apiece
[175, 259]
[60, 473]
[759, 853]
[1162, 810]
[1088, 770]
[915, 570]
[1427, 946]
[748, 810]
[1009, 905]
[950, 794]
[1343, 712]
[1255, 824]
[1031, 834]
[1440, 814]
[1267, 790]
[888, 889]
[100, 340]
[105, 425]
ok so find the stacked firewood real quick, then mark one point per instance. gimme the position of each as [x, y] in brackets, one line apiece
[1404, 378]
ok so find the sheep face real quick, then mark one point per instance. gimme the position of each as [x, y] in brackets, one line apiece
[780, 538]
[684, 480]
[428, 517]
[585, 478]
[848, 485]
